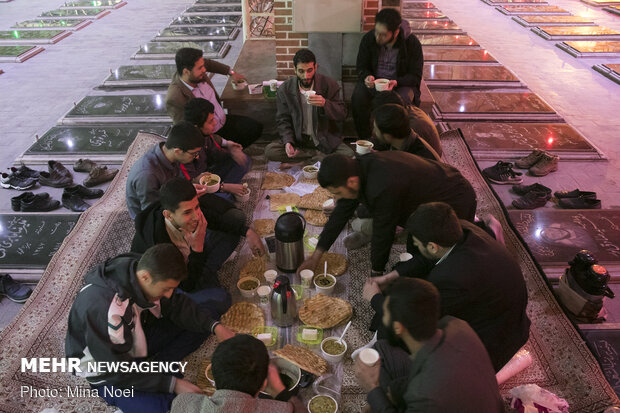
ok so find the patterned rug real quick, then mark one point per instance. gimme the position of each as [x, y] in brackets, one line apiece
[562, 362]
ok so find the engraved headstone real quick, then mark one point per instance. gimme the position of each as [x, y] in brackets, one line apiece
[118, 109]
[419, 6]
[74, 14]
[540, 9]
[197, 34]
[30, 240]
[69, 24]
[605, 48]
[462, 56]
[577, 33]
[434, 27]
[18, 54]
[513, 2]
[611, 71]
[32, 36]
[141, 76]
[207, 21]
[445, 40]
[208, 10]
[97, 4]
[535, 20]
[424, 15]
[220, 2]
[605, 345]
[451, 75]
[166, 50]
[613, 10]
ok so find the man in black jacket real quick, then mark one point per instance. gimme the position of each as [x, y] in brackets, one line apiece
[129, 312]
[390, 52]
[477, 278]
[391, 185]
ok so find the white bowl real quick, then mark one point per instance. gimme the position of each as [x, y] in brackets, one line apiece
[333, 358]
[322, 395]
[325, 290]
[245, 197]
[363, 146]
[215, 185]
[382, 84]
[310, 171]
[248, 293]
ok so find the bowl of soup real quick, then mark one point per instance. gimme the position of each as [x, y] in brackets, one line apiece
[248, 286]
[332, 349]
[211, 181]
[322, 404]
[310, 171]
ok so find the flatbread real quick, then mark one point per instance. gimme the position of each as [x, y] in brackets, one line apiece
[282, 200]
[316, 218]
[303, 358]
[336, 264]
[315, 200]
[274, 180]
[311, 181]
[264, 226]
[243, 317]
[325, 312]
[256, 268]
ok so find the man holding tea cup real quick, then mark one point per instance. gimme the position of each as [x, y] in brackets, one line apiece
[388, 52]
[310, 111]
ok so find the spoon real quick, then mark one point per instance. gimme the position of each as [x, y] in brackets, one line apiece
[325, 269]
[344, 332]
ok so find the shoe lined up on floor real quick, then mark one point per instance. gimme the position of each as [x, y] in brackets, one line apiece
[536, 195]
[502, 173]
[539, 163]
[577, 199]
[84, 165]
[14, 290]
[99, 175]
[73, 197]
[13, 181]
[29, 202]
[57, 176]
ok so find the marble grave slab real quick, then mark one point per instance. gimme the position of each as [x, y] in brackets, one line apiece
[32, 36]
[207, 10]
[577, 33]
[452, 75]
[609, 70]
[96, 4]
[423, 15]
[107, 143]
[583, 48]
[29, 241]
[70, 24]
[601, 2]
[535, 20]
[118, 109]
[207, 21]
[554, 236]
[18, 54]
[92, 14]
[197, 34]
[448, 41]
[418, 6]
[220, 2]
[215, 49]
[434, 27]
[505, 140]
[525, 10]
[514, 2]
[613, 9]
[460, 56]
[470, 105]
[140, 76]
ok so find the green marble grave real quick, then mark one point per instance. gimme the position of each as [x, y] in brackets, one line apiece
[197, 33]
[74, 14]
[208, 10]
[94, 4]
[69, 24]
[118, 109]
[166, 50]
[18, 54]
[141, 76]
[32, 36]
[207, 21]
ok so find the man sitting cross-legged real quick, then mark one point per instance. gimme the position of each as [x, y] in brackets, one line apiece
[177, 218]
[447, 368]
[129, 311]
[241, 369]
[477, 278]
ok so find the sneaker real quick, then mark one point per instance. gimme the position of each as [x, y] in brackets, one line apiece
[546, 164]
[84, 192]
[575, 193]
[524, 189]
[14, 290]
[532, 200]
[16, 201]
[530, 160]
[59, 168]
[580, 203]
[356, 240]
[24, 171]
[55, 179]
[74, 202]
[39, 203]
[100, 175]
[13, 181]
[84, 165]
[502, 173]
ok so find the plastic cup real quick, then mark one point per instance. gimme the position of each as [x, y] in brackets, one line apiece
[270, 276]
[309, 93]
[306, 278]
[382, 84]
[369, 356]
[263, 294]
[273, 85]
[405, 256]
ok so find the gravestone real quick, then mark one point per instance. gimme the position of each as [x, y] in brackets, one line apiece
[613, 10]
[32, 36]
[461, 56]
[581, 49]
[207, 21]
[70, 24]
[18, 54]
[577, 33]
[444, 40]
[215, 49]
[513, 2]
[92, 14]
[118, 109]
[141, 76]
[30, 240]
[419, 6]
[452, 75]
[539, 10]
[99, 4]
[220, 2]
[434, 27]
[197, 34]
[605, 345]
[211, 10]
[529, 21]
[423, 15]
[611, 71]
[99, 143]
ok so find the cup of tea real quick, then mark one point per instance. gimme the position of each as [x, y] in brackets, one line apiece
[309, 93]
[369, 356]
[306, 278]
[270, 276]
[382, 84]
[273, 85]
[363, 147]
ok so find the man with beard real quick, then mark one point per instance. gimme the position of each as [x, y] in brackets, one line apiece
[390, 52]
[191, 81]
[447, 368]
[310, 111]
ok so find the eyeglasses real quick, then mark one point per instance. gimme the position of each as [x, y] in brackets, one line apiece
[194, 154]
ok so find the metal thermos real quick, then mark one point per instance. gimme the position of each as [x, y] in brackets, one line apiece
[283, 302]
[289, 230]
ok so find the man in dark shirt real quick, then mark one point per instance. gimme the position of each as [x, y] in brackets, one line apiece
[477, 278]
[390, 52]
[391, 185]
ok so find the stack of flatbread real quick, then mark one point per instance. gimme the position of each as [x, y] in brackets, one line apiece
[256, 268]
[274, 180]
[316, 218]
[325, 312]
[243, 317]
[336, 264]
[303, 358]
[315, 199]
[282, 200]
[264, 226]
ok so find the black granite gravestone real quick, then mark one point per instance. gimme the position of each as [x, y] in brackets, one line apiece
[98, 4]
[32, 36]
[74, 14]
[69, 24]
[141, 76]
[605, 345]
[166, 50]
[207, 21]
[30, 241]
[197, 33]
[118, 109]
[209, 10]
[18, 54]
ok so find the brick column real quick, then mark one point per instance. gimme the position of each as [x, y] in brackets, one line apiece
[371, 7]
[287, 41]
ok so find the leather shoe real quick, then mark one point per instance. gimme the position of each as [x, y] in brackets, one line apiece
[532, 200]
[39, 203]
[84, 192]
[100, 175]
[524, 189]
[575, 193]
[84, 165]
[59, 168]
[54, 179]
[580, 203]
[74, 202]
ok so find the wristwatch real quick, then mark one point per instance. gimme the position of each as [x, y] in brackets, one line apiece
[231, 72]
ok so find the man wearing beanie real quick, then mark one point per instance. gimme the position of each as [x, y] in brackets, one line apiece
[160, 164]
